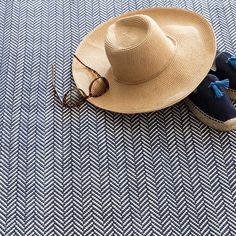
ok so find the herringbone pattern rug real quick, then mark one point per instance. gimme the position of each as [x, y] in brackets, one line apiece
[90, 172]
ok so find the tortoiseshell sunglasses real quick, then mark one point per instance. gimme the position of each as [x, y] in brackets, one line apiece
[76, 96]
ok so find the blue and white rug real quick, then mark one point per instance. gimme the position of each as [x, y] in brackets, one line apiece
[89, 172]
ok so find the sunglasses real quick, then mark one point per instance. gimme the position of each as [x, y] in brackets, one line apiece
[76, 96]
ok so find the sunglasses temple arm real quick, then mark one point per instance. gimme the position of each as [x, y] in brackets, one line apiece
[95, 72]
[53, 79]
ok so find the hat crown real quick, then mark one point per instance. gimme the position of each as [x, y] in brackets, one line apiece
[137, 49]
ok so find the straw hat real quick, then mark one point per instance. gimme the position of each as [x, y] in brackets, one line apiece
[151, 58]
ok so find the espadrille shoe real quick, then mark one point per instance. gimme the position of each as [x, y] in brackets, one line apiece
[211, 104]
[225, 65]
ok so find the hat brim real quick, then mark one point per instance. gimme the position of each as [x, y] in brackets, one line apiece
[195, 53]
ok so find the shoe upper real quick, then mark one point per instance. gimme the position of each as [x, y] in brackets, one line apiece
[205, 98]
[225, 69]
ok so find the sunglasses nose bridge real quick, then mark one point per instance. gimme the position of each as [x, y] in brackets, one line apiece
[75, 96]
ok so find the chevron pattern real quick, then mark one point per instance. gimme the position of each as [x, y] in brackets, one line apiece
[87, 171]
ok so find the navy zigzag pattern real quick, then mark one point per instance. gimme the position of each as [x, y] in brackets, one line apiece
[87, 171]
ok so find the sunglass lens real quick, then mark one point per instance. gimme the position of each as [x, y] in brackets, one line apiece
[98, 87]
[73, 98]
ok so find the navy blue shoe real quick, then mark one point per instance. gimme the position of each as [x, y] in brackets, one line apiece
[225, 64]
[211, 104]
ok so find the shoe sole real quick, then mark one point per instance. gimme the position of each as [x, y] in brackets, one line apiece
[209, 121]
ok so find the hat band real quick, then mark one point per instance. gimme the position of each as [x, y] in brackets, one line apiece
[153, 76]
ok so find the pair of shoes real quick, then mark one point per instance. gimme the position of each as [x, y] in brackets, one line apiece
[211, 101]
